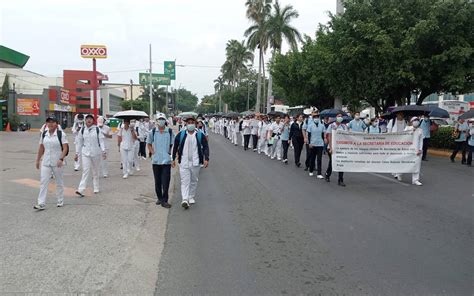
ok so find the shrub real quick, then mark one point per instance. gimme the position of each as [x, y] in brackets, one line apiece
[14, 121]
[442, 138]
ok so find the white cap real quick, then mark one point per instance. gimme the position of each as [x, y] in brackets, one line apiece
[161, 115]
[414, 119]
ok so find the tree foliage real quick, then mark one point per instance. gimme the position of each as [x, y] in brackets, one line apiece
[380, 52]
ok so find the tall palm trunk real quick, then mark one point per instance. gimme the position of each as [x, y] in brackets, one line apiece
[259, 82]
[270, 85]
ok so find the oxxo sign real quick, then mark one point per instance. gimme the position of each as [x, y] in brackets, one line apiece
[94, 51]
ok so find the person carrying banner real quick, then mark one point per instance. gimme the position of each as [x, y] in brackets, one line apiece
[418, 143]
[337, 125]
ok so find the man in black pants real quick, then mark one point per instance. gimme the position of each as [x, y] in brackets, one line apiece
[297, 138]
[160, 141]
[337, 125]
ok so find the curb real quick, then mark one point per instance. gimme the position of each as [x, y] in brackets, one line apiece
[443, 153]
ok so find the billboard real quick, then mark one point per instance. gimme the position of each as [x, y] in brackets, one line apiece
[170, 69]
[94, 51]
[29, 107]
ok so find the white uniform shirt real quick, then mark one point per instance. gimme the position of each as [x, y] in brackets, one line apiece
[417, 137]
[142, 132]
[105, 129]
[190, 156]
[127, 140]
[88, 143]
[52, 148]
[276, 128]
[396, 126]
[254, 124]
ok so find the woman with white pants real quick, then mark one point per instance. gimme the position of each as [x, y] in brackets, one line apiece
[53, 147]
[126, 143]
[105, 129]
[418, 143]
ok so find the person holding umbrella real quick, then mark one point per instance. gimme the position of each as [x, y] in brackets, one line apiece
[192, 150]
[426, 128]
[126, 138]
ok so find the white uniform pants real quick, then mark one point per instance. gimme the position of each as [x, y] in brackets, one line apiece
[127, 160]
[46, 172]
[104, 165]
[235, 138]
[414, 176]
[189, 181]
[136, 158]
[262, 146]
[77, 164]
[90, 164]
[276, 149]
[242, 136]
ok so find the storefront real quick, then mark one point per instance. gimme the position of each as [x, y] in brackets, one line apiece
[60, 107]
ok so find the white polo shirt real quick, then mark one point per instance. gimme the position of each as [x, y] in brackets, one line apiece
[52, 147]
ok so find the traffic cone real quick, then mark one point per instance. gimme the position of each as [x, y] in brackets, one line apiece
[8, 129]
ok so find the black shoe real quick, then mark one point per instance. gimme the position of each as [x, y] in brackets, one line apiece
[306, 169]
[327, 178]
[463, 162]
[165, 205]
[452, 159]
[158, 202]
[80, 194]
[341, 183]
[424, 159]
[298, 164]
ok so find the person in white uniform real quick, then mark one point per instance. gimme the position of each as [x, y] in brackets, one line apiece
[91, 147]
[262, 136]
[254, 132]
[76, 127]
[126, 138]
[397, 125]
[192, 150]
[418, 143]
[274, 138]
[53, 148]
[105, 129]
[246, 131]
[136, 144]
[235, 131]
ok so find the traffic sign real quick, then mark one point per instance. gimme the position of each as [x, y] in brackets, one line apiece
[158, 79]
[170, 69]
[94, 51]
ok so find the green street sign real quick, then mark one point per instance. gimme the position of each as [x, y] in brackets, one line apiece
[170, 69]
[157, 79]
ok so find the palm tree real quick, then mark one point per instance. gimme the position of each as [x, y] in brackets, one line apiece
[218, 87]
[237, 57]
[278, 28]
[257, 12]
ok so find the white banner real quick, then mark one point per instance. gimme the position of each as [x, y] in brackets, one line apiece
[374, 153]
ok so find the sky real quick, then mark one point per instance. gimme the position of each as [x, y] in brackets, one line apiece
[192, 32]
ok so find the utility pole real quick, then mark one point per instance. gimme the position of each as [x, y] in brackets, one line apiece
[151, 90]
[131, 94]
[248, 95]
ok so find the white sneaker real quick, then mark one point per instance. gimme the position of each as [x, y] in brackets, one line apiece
[130, 173]
[60, 204]
[138, 169]
[39, 207]
[417, 183]
[105, 176]
[96, 191]
[399, 178]
[273, 157]
[125, 176]
[320, 177]
[311, 174]
[279, 159]
[192, 201]
[144, 158]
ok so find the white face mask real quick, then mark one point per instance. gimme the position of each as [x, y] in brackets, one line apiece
[416, 123]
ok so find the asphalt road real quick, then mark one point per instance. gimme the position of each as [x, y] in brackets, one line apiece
[262, 227]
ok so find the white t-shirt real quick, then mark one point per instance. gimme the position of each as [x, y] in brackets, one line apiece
[190, 158]
[127, 140]
[52, 147]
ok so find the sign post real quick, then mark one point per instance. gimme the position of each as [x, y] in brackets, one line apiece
[94, 52]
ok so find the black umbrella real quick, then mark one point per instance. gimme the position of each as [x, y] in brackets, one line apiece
[436, 111]
[388, 115]
[276, 113]
[468, 115]
[412, 110]
[332, 113]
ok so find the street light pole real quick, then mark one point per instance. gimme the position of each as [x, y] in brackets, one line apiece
[151, 90]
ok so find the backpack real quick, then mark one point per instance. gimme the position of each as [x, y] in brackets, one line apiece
[181, 137]
[60, 135]
[96, 129]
